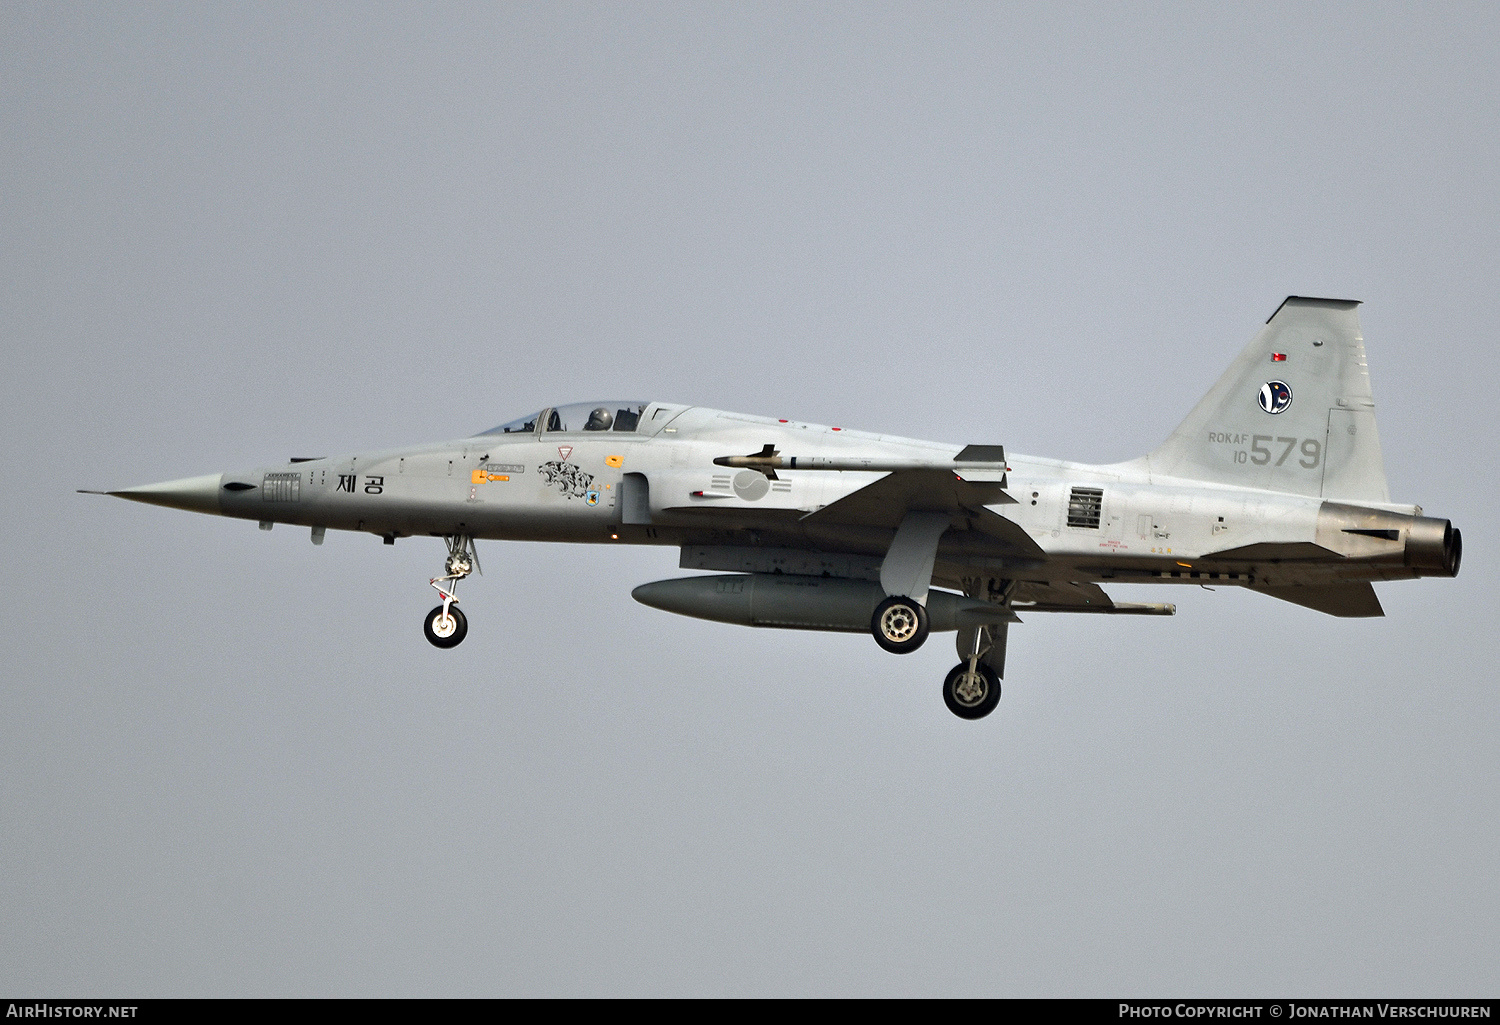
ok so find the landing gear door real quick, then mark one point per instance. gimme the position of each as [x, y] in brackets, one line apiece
[635, 499]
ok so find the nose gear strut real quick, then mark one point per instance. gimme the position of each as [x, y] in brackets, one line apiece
[446, 625]
[972, 688]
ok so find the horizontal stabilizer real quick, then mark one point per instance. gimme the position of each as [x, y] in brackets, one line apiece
[1275, 551]
[1347, 601]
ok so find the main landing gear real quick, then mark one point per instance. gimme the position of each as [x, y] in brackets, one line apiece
[445, 625]
[899, 624]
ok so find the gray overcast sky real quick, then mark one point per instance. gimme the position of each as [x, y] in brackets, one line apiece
[229, 234]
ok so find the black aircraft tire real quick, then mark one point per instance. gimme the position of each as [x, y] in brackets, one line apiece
[970, 705]
[899, 625]
[452, 640]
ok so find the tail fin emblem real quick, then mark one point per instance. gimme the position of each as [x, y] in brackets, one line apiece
[1275, 396]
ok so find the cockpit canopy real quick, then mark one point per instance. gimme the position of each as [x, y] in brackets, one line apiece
[613, 415]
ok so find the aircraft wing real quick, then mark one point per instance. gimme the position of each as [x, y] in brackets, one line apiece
[1061, 592]
[1009, 531]
[886, 501]
[1079, 596]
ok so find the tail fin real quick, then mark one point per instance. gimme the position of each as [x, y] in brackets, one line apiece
[1294, 413]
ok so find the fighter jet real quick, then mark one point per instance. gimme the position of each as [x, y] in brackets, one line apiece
[1274, 482]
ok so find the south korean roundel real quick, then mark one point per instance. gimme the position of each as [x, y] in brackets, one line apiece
[1275, 396]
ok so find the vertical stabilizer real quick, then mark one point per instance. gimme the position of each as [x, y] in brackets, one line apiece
[1293, 413]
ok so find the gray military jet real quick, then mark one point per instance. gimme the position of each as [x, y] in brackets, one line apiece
[1274, 482]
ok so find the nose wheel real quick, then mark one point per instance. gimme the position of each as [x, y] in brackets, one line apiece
[972, 690]
[446, 626]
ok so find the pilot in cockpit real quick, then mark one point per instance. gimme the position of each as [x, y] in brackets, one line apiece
[599, 420]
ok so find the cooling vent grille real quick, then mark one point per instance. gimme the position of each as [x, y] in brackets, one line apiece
[281, 487]
[1083, 507]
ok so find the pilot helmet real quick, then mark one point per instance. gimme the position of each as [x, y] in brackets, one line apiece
[599, 420]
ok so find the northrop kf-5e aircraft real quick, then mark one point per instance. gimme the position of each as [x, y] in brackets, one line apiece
[1274, 482]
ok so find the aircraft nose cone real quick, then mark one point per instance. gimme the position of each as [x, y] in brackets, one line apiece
[195, 494]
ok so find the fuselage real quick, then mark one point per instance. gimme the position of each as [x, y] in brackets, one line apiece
[658, 484]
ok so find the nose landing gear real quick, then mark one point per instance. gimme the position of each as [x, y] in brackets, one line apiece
[446, 626]
[972, 690]
[446, 629]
